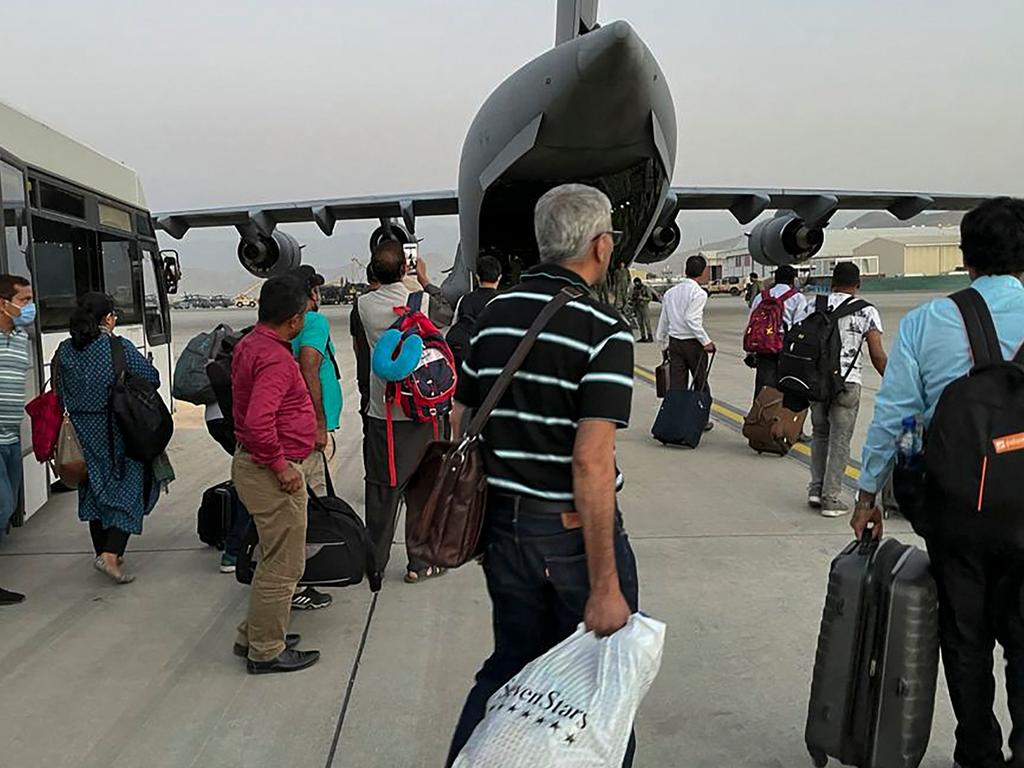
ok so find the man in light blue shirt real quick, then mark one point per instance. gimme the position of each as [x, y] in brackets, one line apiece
[980, 589]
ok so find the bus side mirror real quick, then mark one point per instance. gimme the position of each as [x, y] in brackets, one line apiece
[172, 270]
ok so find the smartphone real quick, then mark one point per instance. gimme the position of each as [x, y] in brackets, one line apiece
[412, 255]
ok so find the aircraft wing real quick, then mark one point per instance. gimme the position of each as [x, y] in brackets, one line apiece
[263, 217]
[746, 204]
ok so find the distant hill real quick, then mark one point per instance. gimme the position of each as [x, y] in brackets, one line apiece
[884, 219]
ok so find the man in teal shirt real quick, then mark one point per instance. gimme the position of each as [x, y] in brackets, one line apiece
[979, 586]
[314, 350]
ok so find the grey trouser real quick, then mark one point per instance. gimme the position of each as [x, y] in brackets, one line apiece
[832, 429]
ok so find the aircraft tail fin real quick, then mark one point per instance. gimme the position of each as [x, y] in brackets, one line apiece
[574, 18]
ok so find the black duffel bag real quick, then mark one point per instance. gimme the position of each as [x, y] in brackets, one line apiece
[339, 551]
[138, 410]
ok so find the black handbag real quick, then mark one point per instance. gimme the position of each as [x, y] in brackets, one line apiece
[138, 410]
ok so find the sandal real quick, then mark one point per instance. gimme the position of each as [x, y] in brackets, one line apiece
[430, 572]
[119, 578]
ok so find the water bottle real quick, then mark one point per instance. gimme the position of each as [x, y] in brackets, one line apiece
[910, 444]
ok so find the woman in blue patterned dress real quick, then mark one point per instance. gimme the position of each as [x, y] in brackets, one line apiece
[119, 491]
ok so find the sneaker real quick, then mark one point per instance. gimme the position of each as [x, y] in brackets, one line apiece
[7, 597]
[286, 661]
[309, 599]
[831, 510]
[228, 563]
[814, 501]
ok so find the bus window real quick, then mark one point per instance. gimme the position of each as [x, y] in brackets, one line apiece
[65, 261]
[119, 278]
[15, 223]
[153, 301]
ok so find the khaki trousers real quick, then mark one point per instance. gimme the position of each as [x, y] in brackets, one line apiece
[280, 519]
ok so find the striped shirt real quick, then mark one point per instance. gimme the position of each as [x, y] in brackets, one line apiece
[13, 372]
[580, 368]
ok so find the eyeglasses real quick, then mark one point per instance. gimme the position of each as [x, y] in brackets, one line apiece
[616, 235]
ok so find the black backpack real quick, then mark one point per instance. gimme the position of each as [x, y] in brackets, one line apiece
[974, 449]
[218, 370]
[809, 364]
[339, 551]
[138, 410]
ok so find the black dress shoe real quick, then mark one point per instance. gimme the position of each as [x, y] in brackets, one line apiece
[290, 641]
[709, 426]
[289, 660]
[7, 597]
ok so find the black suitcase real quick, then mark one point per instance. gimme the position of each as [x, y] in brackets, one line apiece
[873, 690]
[339, 551]
[682, 417]
[216, 514]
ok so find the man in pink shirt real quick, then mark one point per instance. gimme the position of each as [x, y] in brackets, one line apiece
[275, 426]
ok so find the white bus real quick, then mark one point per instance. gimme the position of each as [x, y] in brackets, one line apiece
[76, 221]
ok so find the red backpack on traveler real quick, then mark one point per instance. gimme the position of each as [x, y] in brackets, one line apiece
[765, 330]
[426, 394]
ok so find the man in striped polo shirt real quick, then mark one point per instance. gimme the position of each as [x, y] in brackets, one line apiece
[557, 553]
[17, 312]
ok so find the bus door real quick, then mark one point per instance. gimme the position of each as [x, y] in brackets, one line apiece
[156, 315]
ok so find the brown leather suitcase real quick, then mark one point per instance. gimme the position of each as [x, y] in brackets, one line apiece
[770, 427]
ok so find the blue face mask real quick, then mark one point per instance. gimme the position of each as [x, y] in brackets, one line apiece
[27, 316]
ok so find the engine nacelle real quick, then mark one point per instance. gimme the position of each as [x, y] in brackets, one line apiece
[389, 231]
[662, 243]
[786, 239]
[270, 256]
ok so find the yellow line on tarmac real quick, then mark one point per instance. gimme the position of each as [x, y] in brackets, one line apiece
[737, 419]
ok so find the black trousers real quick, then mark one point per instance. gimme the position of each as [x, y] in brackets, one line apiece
[382, 498]
[767, 374]
[980, 596]
[686, 358]
[537, 578]
[113, 541]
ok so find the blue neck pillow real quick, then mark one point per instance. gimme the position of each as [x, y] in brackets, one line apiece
[395, 357]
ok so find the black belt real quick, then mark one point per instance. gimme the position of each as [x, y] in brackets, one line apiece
[532, 505]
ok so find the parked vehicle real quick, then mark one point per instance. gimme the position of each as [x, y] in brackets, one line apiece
[734, 286]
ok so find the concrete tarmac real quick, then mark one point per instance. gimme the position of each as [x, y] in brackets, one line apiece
[94, 675]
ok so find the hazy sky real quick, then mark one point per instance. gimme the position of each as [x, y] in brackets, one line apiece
[225, 101]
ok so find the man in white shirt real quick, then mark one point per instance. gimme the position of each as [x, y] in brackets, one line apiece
[833, 422]
[794, 308]
[681, 327]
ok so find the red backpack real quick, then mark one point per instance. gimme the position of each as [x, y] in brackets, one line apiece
[765, 330]
[427, 393]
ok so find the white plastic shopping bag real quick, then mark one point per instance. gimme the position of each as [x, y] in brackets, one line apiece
[574, 706]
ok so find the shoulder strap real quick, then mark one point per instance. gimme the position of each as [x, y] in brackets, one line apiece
[766, 294]
[117, 357]
[821, 303]
[788, 295]
[518, 358]
[415, 301]
[848, 307]
[330, 354]
[981, 331]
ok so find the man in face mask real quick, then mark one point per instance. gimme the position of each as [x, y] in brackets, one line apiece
[17, 312]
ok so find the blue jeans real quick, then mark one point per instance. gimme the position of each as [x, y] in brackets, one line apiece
[536, 574]
[10, 483]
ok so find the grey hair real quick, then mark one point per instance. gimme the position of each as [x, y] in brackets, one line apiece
[567, 218]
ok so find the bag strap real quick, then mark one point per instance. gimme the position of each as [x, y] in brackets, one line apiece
[821, 303]
[847, 308]
[330, 354]
[788, 295]
[981, 330]
[117, 357]
[518, 358]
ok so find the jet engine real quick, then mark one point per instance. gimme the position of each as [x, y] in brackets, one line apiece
[269, 256]
[389, 230]
[785, 239]
[661, 244]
